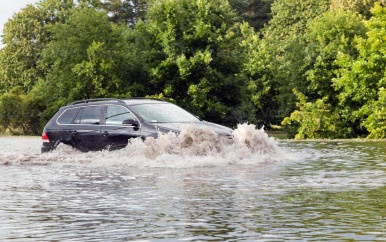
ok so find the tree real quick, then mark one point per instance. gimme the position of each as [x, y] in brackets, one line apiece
[313, 120]
[255, 12]
[281, 53]
[84, 58]
[127, 11]
[357, 6]
[332, 34]
[262, 90]
[375, 123]
[362, 80]
[25, 36]
[199, 58]
[20, 113]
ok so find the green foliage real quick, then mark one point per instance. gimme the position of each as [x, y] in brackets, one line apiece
[361, 78]
[283, 50]
[199, 54]
[199, 58]
[333, 34]
[256, 13]
[126, 11]
[261, 87]
[363, 7]
[376, 121]
[314, 120]
[366, 75]
[19, 113]
[290, 17]
[25, 36]
[83, 60]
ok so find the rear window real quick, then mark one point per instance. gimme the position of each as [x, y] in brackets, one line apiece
[68, 116]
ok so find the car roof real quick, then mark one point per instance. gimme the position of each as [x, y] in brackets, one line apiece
[134, 101]
[127, 101]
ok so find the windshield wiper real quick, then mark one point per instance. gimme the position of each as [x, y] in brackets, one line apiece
[117, 115]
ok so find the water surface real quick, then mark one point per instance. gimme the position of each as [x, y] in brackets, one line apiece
[299, 191]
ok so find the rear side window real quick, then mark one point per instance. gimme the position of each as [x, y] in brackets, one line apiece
[68, 116]
[91, 115]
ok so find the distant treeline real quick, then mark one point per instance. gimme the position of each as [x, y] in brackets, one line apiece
[316, 68]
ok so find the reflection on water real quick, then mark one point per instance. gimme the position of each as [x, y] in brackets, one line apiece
[332, 191]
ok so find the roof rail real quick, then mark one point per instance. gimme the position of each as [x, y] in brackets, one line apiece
[149, 98]
[96, 100]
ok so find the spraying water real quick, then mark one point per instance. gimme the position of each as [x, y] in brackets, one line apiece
[193, 147]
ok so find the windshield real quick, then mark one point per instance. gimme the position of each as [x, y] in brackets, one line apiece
[163, 113]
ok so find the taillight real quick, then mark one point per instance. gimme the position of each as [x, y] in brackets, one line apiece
[45, 138]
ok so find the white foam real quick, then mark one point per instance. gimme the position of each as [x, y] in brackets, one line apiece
[193, 147]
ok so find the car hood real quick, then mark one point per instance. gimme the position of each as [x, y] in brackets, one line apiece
[176, 127]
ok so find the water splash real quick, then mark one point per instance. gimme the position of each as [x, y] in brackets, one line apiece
[193, 147]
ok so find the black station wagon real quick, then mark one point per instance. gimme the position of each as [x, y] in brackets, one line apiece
[109, 123]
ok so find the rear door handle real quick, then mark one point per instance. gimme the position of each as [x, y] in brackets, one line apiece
[73, 133]
[105, 133]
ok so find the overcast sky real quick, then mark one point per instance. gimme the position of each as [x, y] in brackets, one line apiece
[8, 8]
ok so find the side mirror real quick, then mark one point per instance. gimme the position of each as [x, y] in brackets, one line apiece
[130, 122]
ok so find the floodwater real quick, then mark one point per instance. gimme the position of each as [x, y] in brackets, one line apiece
[195, 187]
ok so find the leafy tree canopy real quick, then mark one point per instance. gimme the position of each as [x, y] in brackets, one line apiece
[363, 79]
[82, 60]
[255, 12]
[282, 51]
[25, 36]
[362, 7]
[199, 55]
[126, 11]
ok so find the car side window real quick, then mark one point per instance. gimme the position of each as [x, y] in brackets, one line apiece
[116, 114]
[68, 116]
[91, 115]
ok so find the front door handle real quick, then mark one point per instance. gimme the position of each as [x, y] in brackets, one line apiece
[73, 133]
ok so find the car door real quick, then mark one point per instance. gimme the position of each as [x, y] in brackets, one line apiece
[115, 135]
[64, 121]
[86, 130]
